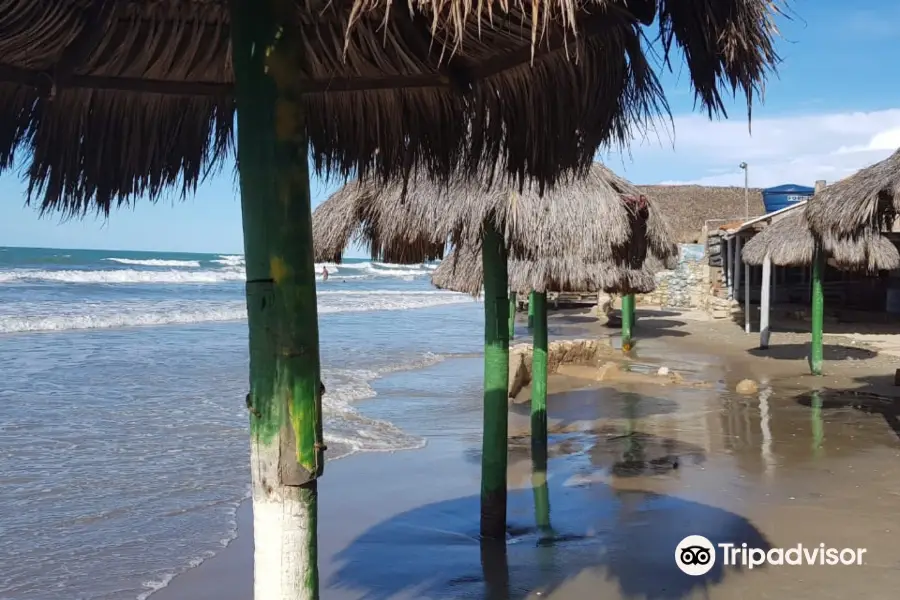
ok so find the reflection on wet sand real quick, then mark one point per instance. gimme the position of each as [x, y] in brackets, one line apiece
[630, 470]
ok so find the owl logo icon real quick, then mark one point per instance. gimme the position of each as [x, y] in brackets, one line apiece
[695, 555]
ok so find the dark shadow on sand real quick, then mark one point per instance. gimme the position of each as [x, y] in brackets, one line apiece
[623, 538]
[573, 319]
[801, 351]
[649, 327]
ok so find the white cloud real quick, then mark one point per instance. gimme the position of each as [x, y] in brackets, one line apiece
[789, 149]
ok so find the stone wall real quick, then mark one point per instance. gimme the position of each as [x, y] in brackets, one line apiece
[686, 286]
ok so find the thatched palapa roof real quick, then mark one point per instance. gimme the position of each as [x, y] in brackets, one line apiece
[687, 207]
[867, 200]
[598, 218]
[789, 242]
[461, 271]
[113, 99]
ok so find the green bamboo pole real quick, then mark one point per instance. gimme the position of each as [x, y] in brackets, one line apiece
[539, 372]
[495, 569]
[512, 315]
[627, 316]
[496, 381]
[539, 414]
[818, 314]
[284, 400]
[540, 490]
[530, 311]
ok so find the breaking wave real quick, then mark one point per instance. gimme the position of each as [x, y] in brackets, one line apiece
[155, 262]
[63, 316]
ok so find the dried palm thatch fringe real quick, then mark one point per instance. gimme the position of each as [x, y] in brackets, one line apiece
[108, 100]
[588, 219]
[462, 272]
[868, 199]
[789, 242]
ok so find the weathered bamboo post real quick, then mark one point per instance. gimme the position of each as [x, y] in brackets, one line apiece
[627, 315]
[539, 414]
[539, 373]
[530, 311]
[284, 400]
[633, 310]
[496, 381]
[540, 489]
[495, 569]
[512, 314]
[818, 313]
[817, 317]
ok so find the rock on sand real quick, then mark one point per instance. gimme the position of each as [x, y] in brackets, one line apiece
[747, 386]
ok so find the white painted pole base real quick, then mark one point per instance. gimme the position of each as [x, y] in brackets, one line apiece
[284, 534]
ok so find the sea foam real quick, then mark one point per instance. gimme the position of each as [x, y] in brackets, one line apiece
[62, 316]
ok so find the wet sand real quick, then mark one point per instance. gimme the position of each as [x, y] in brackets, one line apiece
[633, 469]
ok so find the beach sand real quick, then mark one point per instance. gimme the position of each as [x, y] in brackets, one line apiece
[634, 468]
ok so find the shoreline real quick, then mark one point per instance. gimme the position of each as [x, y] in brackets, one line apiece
[377, 506]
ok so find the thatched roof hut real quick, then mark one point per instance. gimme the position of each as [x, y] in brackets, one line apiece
[117, 99]
[867, 200]
[461, 271]
[687, 207]
[789, 242]
[598, 218]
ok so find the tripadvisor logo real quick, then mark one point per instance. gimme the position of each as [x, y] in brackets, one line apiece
[695, 555]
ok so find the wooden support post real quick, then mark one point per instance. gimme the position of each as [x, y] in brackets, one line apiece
[530, 311]
[540, 490]
[765, 301]
[496, 381]
[285, 399]
[729, 267]
[539, 373]
[736, 278]
[627, 315]
[512, 315]
[747, 315]
[818, 314]
[539, 415]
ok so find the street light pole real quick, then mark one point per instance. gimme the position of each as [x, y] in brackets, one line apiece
[746, 192]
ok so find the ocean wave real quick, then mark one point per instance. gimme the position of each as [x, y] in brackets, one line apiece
[231, 260]
[180, 276]
[155, 262]
[63, 316]
[121, 276]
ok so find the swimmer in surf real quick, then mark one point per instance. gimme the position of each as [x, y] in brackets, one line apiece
[324, 273]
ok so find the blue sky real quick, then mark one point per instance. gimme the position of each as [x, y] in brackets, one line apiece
[833, 108]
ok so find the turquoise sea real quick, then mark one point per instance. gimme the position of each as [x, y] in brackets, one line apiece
[123, 430]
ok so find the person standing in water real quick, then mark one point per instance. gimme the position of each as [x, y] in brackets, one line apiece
[324, 273]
